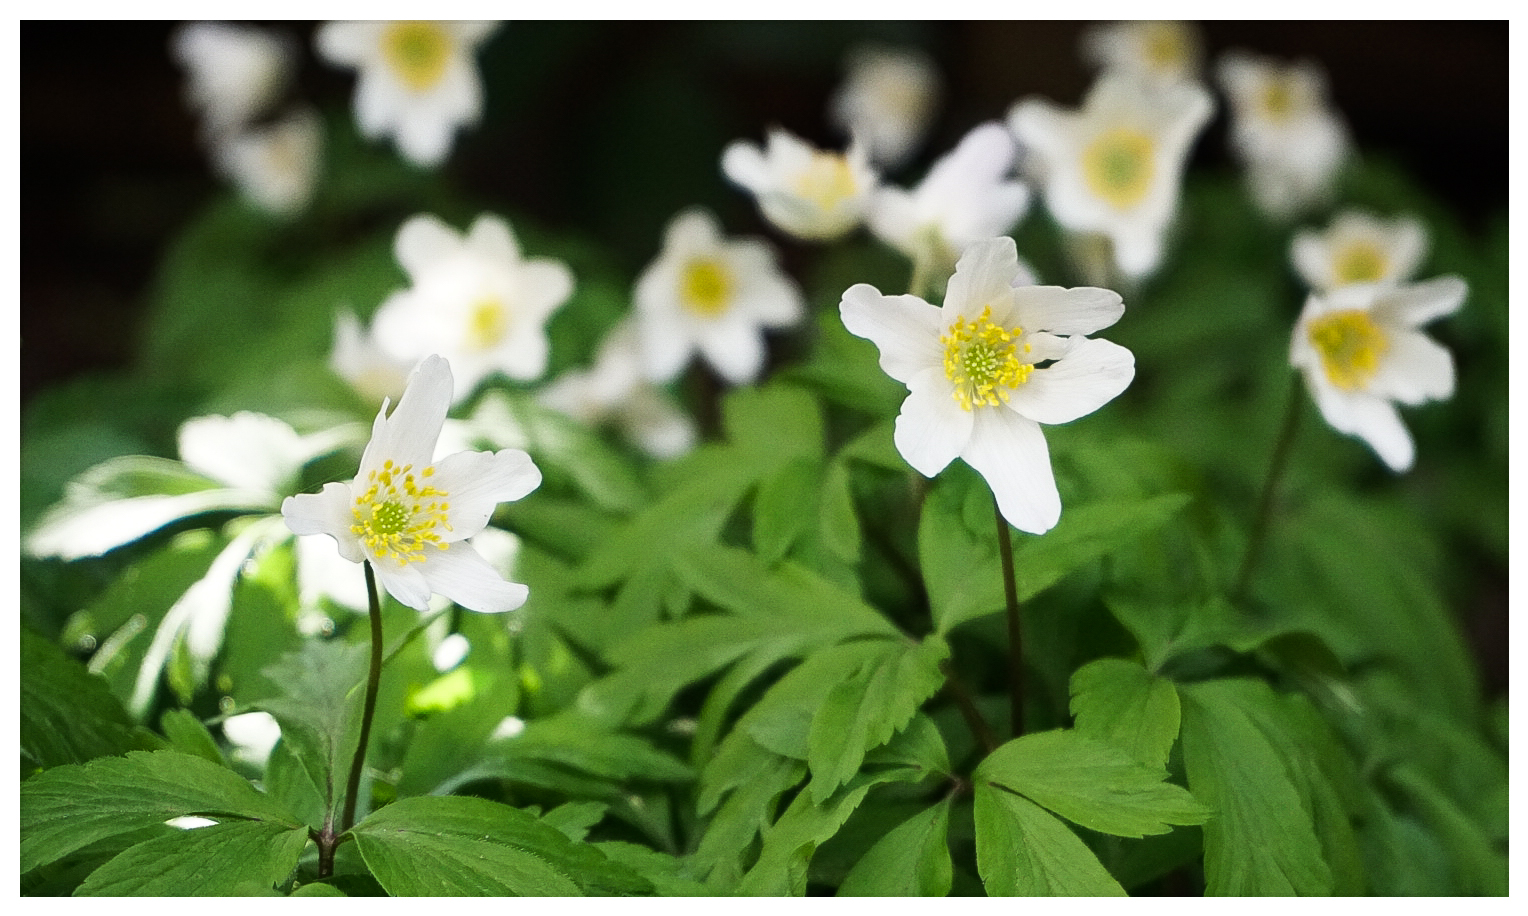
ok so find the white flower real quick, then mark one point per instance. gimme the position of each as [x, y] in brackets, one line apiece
[1114, 166]
[1161, 54]
[234, 73]
[967, 196]
[417, 83]
[275, 166]
[473, 300]
[410, 518]
[614, 390]
[1282, 129]
[708, 294]
[253, 736]
[1362, 352]
[358, 359]
[1359, 248]
[807, 192]
[887, 101]
[984, 372]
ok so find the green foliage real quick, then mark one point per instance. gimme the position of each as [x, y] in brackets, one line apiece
[67, 714]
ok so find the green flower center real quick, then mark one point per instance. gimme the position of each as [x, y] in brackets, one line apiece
[418, 52]
[981, 358]
[1118, 166]
[1350, 344]
[706, 287]
[1360, 262]
[395, 517]
[487, 324]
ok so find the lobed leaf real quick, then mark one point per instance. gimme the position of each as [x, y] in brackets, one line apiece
[244, 858]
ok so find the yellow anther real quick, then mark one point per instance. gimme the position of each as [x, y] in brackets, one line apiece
[982, 360]
[827, 181]
[397, 524]
[706, 287]
[1119, 166]
[418, 52]
[1350, 344]
[1359, 262]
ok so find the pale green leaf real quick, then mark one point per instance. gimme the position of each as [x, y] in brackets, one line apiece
[913, 860]
[188, 735]
[785, 508]
[1021, 851]
[235, 858]
[1120, 702]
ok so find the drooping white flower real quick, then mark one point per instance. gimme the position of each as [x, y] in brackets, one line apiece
[474, 300]
[1359, 248]
[967, 196]
[615, 390]
[417, 80]
[1362, 351]
[276, 166]
[810, 193]
[1282, 129]
[409, 516]
[713, 295]
[357, 358]
[1160, 54]
[886, 101]
[985, 370]
[234, 73]
[1114, 166]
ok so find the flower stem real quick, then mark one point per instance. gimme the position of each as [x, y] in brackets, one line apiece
[1015, 633]
[1281, 451]
[968, 711]
[369, 707]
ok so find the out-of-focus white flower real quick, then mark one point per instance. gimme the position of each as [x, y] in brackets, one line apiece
[417, 81]
[253, 736]
[886, 101]
[1359, 248]
[450, 653]
[275, 166]
[1291, 142]
[358, 359]
[474, 300]
[967, 196]
[234, 73]
[508, 727]
[615, 390]
[810, 193]
[983, 372]
[409, 516]
[1114, 166]
[709, 294]
[1362, 351]
[1160, 54]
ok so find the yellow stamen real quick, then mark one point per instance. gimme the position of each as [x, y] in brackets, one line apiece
[488, 323]
[418, 52]
[706, 287]
[1118, 166]
[827, 182]
[982, 359]
[395, 517]
[1360, 262]
[1279, 99]
[1165, 46]
[1350, 344]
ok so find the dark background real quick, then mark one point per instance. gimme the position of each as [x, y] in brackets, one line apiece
[111, 167]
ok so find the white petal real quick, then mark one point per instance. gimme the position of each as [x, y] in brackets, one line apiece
[893, 218]
[1082, 310]
[492, 240]
[459, 573]
[1420, 303]
[1010, 453]
[932, 428]
[1138, 247]
[744, 165]
[735, 349]
[328, 511]
[904, 328]
[408, 435]
[424, 136]
[476, 482]
[378, 103]
[347, 42]
[982, 277]
[248, 450]
[666, 345]
[1415, 369]
[1367, 416]
[1092, 374]
[423, 243]
[406, 581]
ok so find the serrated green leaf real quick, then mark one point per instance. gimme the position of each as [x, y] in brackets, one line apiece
[913, 860]
[575, 818]
[1090, 782]
[1021, 851]
[456, 845]
[790, 594]
[69, 807]
[918, 745]
[667, 874]
[578, 742]
[865, 710]
[1261, 840]
[785, 507]
[67, 714]
[743, 812]
[188, 735]
[319, 709]
[235, 858]
[1120, 702]
[318, 889]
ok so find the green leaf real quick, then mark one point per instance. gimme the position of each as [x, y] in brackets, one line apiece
[67, 714]
[777, 420]
[667, 874]
[574, 740]
[918, 745]
[1091, 783]
[319, 708]
[785, 508]
[1120, 702]
[1023, 852]
[451, 845]
[865, 710]
[743, 812]
[1479, 869]
[913, 860]
[836, 515]
[235, 858]
[792, 595]
[188, 735]
[69, 807]
[1262, 840]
